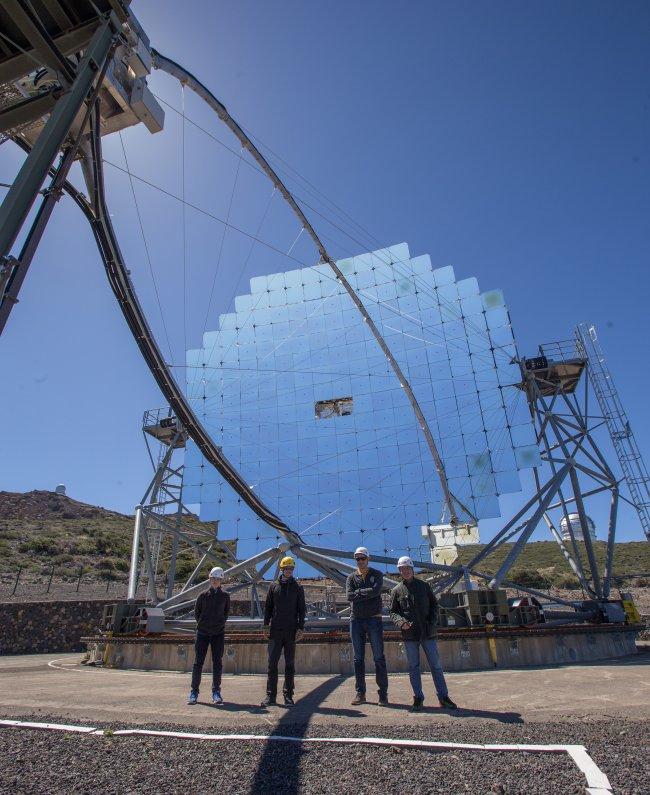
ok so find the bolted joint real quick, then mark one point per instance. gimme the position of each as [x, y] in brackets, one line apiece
[55, 191]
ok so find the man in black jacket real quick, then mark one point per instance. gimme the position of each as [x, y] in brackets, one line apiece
[284, 621]
[363, 591]
[211, 612]
[414, 609]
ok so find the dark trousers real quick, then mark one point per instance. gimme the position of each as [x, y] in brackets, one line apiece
[374, 628]
[281, 639]
[200, 650]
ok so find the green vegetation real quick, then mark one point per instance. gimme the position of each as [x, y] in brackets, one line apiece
[542, 565]
[39, 530]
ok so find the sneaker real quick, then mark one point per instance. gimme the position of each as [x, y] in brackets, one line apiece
[288, 701]
[417, 703]
[360, 698]
[268, 701]
[383, 700]
[194, 697]
[216, 697]
[447, 703]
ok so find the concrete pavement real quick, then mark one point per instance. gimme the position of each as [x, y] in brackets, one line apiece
[58, 685]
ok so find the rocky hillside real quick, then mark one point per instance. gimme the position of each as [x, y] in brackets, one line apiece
[41, 529]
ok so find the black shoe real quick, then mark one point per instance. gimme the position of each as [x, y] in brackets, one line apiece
[447, 703]
[383, 700]
[288, 701]
[417, 704]
[360, 698]
[269, 701]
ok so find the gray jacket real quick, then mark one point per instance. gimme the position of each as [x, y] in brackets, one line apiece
[414, 603]
[365, 594]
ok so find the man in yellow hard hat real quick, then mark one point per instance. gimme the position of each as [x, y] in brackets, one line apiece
[284, 620]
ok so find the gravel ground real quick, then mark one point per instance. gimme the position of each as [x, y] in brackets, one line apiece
[35, 761]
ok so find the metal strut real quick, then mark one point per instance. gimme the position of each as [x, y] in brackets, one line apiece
[186, 78]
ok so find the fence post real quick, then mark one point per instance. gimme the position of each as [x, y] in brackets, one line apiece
[81, 571]
[50, 580]
[20, 568]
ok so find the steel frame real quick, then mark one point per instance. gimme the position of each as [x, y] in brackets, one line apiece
[568, 448]
[620, 430]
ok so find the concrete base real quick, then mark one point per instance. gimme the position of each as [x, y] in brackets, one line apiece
[470, 650]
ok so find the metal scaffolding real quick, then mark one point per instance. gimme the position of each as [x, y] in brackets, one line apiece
[629, 456]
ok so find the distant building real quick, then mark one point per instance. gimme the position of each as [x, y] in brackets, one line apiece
[60, 489]
[574, 519]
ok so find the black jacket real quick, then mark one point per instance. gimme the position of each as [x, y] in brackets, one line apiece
[414, 602]
[211, 611]
[285, 605]
[365, 594]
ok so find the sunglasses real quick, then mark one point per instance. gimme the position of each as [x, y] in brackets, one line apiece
[361, 557]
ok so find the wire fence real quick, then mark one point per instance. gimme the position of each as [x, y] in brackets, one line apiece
[22, 584]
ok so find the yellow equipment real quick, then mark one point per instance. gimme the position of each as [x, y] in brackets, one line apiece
[287, 562]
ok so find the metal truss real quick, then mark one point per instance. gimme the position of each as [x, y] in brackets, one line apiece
[573, 467]
[620, 431]
[164, 527]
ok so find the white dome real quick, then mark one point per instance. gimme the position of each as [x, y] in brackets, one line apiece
[574, 519]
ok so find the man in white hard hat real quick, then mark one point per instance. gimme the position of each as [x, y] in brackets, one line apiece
[284, 621]
[414, 609]
[211, 612]
[363, 591]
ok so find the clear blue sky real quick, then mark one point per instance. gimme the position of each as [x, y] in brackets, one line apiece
[508, 139]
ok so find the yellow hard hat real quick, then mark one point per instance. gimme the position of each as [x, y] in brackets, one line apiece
[287, 562]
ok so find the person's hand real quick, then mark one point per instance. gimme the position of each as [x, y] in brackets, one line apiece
[406, 625]
[266, 630]
[299, 634]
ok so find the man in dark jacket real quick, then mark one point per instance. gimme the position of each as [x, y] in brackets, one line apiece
[211, 612]
[363, 591]
[414, 609]
[284, 621]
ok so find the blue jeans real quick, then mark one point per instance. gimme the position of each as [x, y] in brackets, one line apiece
[431, 652]
[375, 630]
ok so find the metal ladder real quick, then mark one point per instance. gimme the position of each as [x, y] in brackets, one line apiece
[628, 453]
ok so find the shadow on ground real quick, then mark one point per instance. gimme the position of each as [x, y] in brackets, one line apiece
[294, 722]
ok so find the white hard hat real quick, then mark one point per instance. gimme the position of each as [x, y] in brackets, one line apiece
[404, 561]
[216, 572]
[361, 551]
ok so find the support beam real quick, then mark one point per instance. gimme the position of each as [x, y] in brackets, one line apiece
[193, 592]
[586, 536]
[420, 564]
[68, 43]
[135, 556]
[331, 563]
[575, 567]
[151, 571]
[24, 190]
[28, 110]
[44, 48]
[611, 541]
[498, 538]
[530, 528]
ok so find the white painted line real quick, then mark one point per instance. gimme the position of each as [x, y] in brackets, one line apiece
[60, 727]
[77, 667]
[597, 781]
